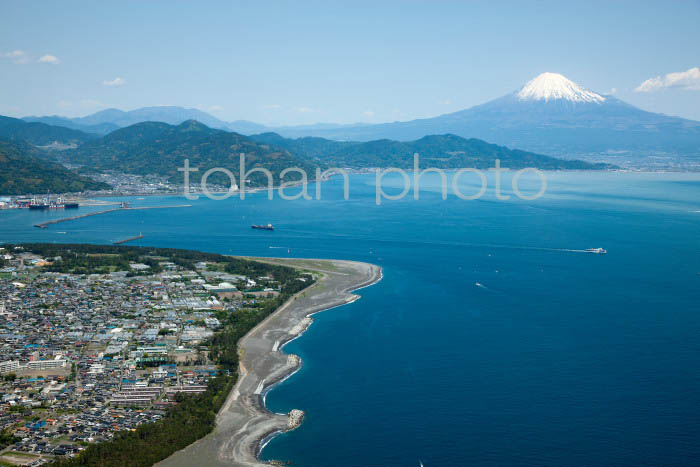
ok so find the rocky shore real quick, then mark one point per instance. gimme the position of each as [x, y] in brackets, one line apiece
[244, 423]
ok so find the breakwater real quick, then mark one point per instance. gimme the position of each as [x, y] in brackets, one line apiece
[130, 239]
[44, 225]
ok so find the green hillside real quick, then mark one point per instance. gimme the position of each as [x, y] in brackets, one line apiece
[441, 151]
[22, 172]
[39, 134]
[159, 148]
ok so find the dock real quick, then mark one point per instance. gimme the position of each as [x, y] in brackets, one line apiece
[45, 225]
[130, 239]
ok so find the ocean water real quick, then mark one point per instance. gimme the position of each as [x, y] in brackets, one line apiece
[488, 342]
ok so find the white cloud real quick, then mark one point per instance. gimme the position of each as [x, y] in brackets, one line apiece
[305, 110]
[369, 113]
[17, 56]
[445, 102]
[271, 107]
[612, 91]
[687, 80]
[52, 59]
[115, 82]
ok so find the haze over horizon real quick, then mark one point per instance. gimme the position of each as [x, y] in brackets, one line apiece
[292, 65]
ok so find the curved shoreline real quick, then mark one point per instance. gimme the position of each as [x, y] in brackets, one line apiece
[266, 390]
[244, 425]
[274, 384]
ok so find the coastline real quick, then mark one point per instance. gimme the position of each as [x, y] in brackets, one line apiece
[244, 425]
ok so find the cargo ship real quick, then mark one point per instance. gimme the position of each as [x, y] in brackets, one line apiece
[43, 206]
[598, 251]
[263, 227]
[40, 204]
[47, 203]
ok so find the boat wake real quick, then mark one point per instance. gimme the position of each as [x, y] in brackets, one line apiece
[482, 286]
[419, 242]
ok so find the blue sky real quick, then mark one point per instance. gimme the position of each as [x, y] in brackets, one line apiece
[303, 62]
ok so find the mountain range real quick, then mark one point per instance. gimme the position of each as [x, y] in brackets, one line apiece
[159, 148]
[108, 120]
[440, 151]
[93, 129]
[40, 134]
[550, 114]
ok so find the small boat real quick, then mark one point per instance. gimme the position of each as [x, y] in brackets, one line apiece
[263, 227]
[598, 251]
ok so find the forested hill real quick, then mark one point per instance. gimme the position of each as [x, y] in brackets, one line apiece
[39, 134]
[22, 172]
[160, 148]
[440, 151]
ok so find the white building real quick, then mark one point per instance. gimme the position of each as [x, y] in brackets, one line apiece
[47, 364]
[153, 350]
[96, 369]
[9, 366]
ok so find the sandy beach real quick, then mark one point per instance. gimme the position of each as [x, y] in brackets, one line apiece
[244, 422]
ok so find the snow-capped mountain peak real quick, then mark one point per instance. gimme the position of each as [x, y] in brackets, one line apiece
[550, 86]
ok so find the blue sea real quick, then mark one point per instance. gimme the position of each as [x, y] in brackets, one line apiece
[490, 340]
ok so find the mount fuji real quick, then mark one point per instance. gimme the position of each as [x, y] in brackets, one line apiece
[550, 114]
[553, 86]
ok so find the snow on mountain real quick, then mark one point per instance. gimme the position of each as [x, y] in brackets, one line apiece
[549, 115]
[555, 86]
